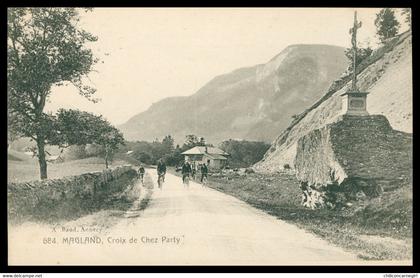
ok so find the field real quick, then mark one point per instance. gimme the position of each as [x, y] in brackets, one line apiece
[379, 228]
[25, 168]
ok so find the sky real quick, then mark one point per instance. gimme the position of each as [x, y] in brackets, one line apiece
[148, 54]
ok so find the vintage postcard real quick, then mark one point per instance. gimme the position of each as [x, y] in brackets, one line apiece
[209, 136]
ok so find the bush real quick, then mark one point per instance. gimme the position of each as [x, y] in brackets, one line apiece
[244, 153]
[362, 54]
[75, 152]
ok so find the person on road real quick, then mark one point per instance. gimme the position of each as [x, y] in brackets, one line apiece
[186, 170]
[193, 170]
[161, 169]
[141, 172]
[204, 171]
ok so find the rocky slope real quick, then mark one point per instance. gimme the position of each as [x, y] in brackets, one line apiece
[254, 103]
[387, 75]
[363, 156]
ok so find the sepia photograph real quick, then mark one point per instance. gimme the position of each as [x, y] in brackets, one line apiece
[209, 136]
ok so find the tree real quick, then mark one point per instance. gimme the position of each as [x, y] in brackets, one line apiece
[202, 142]
[75, 127]
[407, 13]
[45, 48]
[143, 157]
[386, 24]
[193, 141]
[244, 153]
[12, 135]
[362, 53]
[168, 143]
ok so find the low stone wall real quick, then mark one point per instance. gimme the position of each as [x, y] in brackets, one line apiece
[356, 154]
[68, 197]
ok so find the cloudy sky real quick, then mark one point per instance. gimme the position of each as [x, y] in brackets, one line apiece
[149, 54]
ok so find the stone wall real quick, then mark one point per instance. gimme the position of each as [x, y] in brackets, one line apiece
[67, 197]
[357, 154]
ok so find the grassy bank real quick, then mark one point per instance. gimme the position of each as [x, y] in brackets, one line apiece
[379, 228]
[28, 169]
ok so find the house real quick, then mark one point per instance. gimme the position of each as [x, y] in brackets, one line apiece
[214, 157]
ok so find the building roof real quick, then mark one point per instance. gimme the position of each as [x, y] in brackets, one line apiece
[216, 156]
[202, 150]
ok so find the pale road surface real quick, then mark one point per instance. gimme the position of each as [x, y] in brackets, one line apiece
[202, 227]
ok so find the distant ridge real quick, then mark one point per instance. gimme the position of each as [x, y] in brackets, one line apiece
[254, 103]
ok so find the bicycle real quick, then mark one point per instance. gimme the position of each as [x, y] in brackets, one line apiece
[141, 178]
[186, 180]
[204, 180]
[161, 179]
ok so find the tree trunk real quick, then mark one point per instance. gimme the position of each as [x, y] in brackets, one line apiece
[106, 157]
[41, 159]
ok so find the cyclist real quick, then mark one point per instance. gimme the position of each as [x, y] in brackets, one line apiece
[161, 169]
[193, 170]
[204, 171]
[141, 172]
[186, 170]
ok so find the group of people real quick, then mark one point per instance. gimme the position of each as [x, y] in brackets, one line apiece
[187, 170]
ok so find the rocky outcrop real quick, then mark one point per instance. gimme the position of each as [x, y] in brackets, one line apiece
[358, 154]
[66, 197]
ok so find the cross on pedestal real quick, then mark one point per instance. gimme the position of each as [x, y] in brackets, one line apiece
[354, 101]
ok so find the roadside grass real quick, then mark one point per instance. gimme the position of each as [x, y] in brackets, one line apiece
[118, 207]
[27, 170]
[117, 196]
[104, 212]
[148, 185]
[374, 229]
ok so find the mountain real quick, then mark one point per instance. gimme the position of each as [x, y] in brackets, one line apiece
[254, 103]
[386, 75]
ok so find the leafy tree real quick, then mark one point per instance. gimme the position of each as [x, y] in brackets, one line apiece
[193, 141]
[12, 134]
[362, 53]
[143, 157]
[75, 127]
[244, 153]
[80, 128]
[174, 158]
[45, 48]
[407, 13]
[202, 141]
[168, 143]
[386, 24]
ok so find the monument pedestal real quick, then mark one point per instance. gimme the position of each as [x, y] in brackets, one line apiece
[354, 103]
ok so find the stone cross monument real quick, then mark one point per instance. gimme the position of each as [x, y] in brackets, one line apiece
[354, 101]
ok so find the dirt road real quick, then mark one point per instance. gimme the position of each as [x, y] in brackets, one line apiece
[195, 226]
